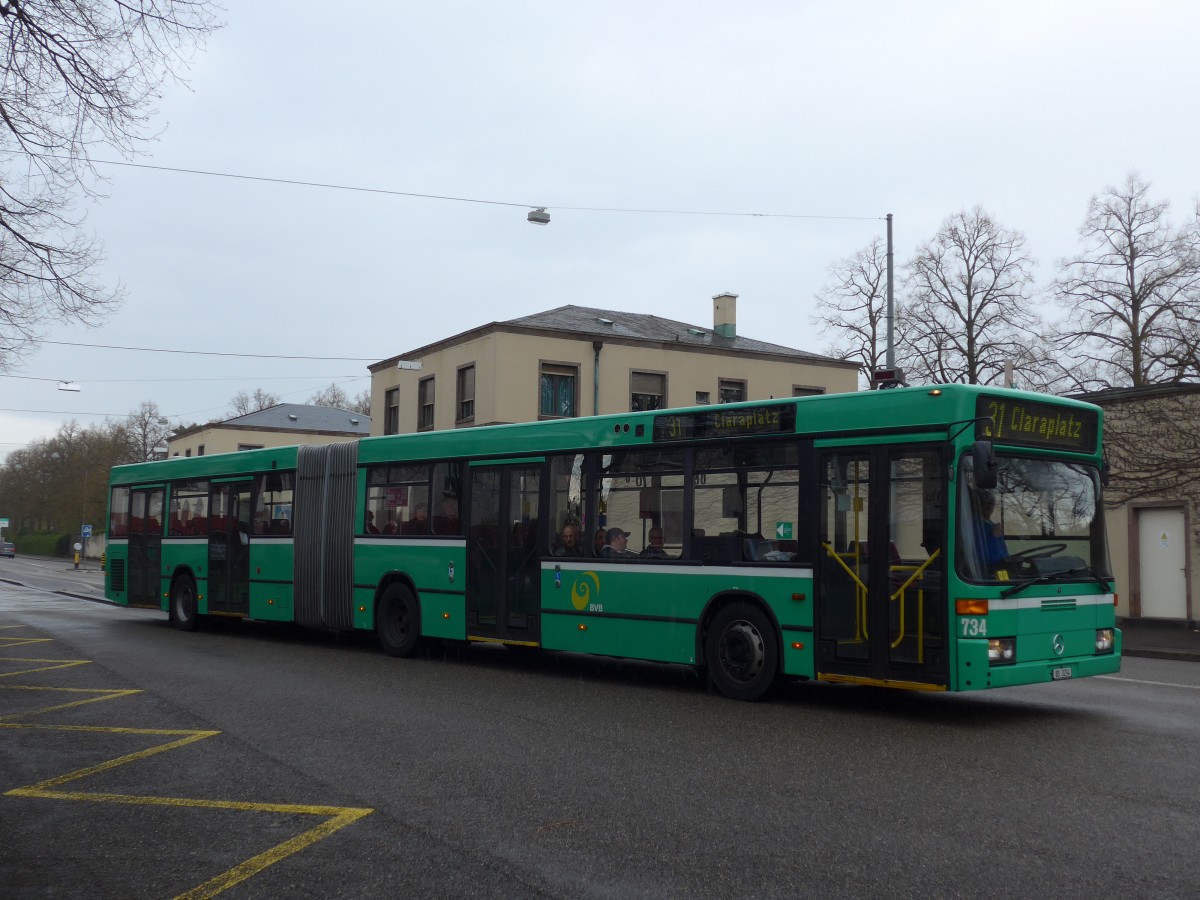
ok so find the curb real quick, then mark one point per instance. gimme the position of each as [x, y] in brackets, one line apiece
[1183, 655]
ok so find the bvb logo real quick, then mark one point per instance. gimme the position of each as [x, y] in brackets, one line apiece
[581, 590]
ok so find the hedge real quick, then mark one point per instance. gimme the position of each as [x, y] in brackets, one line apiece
[43, 544]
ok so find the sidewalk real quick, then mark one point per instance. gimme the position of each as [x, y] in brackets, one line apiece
[1159, 640]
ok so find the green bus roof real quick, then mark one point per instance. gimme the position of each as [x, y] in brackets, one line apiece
[929, 409]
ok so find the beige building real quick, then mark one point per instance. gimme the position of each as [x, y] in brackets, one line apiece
[577, 361]
[1151, 437]
[278, 426]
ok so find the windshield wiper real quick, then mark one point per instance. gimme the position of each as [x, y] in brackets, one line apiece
[1054, 576]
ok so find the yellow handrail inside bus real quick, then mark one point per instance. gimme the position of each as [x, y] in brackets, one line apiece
[898, 594]
[860, 601]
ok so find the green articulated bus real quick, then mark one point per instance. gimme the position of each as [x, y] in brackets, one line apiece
[931, 538]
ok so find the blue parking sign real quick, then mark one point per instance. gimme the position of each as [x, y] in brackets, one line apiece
[87, 530]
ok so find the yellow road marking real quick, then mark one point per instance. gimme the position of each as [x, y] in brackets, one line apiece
[255, 864]
[106, 694]
[338, 817]
[62, 664]
[7, 642]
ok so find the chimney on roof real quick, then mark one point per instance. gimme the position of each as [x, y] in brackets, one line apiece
[725, 314]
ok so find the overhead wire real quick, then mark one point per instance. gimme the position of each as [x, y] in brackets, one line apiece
[386, 191]
[360, 189]
[211, 352]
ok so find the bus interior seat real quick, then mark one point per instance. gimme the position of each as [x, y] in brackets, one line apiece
[755, 546]
[719, 549]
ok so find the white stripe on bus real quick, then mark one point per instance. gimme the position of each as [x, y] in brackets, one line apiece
[800, 572]
[440, 543]
[1048, 604]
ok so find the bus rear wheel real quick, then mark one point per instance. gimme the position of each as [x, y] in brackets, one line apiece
[398, 621]
[742, 654]
[183, 604]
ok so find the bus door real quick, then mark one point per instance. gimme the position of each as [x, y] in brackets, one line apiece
[230, 515]
[881, 599]
[145, 546]
[503, 568]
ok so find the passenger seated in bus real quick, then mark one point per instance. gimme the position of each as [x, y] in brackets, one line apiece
[618, 545]
[599, 541]
[568, 541]
[390, 526]
[447, 522]
[989, 537]
[654, 545]
[372, 528]
[419, 523]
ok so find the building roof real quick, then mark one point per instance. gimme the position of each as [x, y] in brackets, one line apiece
[1146, 392]
[608, 324]
[294, 417]
[299, 417]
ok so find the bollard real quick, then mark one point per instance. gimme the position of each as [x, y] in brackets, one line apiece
[77, 559]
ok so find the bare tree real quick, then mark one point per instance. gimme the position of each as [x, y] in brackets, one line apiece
[244, 404]
[1133, 295]
[62, 482]
[333, 395]
[75, 75]
[147, 432]
[966, 314]
[854, 307]
[336, 396]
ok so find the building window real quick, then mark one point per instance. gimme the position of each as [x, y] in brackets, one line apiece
[391, 411]
[806, 390]
[425, 404]
[702, 398]
[647, 390]
[200, 450]
[187, 452]
[730, 391]
[465, 394]
[242, 447]
[557, 385]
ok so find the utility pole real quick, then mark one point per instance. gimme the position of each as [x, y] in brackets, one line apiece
[889, 376]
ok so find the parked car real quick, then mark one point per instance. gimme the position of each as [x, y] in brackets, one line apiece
[8, 550]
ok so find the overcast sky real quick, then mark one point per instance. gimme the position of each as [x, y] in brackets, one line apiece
[828, 116]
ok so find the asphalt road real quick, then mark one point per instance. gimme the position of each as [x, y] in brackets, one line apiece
[261, 761]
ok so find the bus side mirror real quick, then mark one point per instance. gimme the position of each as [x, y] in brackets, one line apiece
[984, 457]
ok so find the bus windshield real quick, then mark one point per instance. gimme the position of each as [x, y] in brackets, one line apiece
[1043, 520]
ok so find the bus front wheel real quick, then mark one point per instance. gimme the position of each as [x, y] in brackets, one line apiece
[183, 604]
[742, 655]
[398, 621]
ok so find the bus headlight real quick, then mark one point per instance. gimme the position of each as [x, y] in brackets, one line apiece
[1001, 650]
[1104, 640]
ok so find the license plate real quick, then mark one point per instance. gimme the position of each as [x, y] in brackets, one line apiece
[1061, 673]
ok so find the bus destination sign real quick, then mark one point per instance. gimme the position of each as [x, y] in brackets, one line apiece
[721, 423]
[1036, 424]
